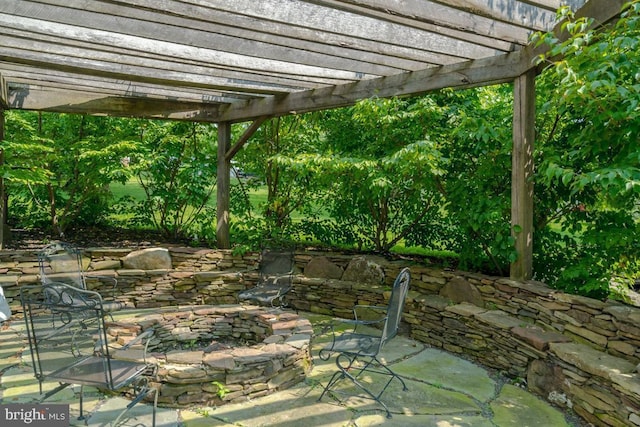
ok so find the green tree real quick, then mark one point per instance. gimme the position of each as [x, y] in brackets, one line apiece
[175, 163]
[267, 157]
[588, 177]
[19, 166]
[478, 179]
[61, 166]
[380, 174]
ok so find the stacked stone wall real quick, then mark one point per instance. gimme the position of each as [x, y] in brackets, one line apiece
[214, 355]
[575, 351]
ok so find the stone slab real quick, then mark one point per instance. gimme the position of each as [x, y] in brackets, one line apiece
[466, 309]
[419, 398]
[538, 338]
[441, 369]
[514, 407]
[295, 407]
[499, 319]
[140, 415]
[591, 360]
[454, 420]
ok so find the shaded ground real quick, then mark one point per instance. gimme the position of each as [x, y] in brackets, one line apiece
[444, 390]
[88, 237]
[91, 237]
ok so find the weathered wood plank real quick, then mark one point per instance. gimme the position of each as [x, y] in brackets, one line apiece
[522, 173]
[332, 43]
[450, 21]
[69, 101]
[174, 56]
[602, 11]
[511, 11]
[39, 79]
[554, 5]
[104, 64]
[255, 125]
[196, 33]
[326, 19]
[243, 30]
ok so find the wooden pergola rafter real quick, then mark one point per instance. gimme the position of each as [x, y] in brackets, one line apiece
[229, 61]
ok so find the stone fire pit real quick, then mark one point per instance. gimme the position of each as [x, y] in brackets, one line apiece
[213, 355]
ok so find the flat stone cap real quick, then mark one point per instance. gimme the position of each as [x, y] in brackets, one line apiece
[591, 360]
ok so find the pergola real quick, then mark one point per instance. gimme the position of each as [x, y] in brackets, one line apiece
[229, 61]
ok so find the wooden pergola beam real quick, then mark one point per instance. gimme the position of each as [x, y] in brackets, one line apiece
[486, 71]
[244, 137]
[523, 145]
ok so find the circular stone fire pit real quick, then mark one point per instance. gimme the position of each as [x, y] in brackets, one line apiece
[213, 355]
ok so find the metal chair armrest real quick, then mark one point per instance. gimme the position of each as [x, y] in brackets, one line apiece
[145, 337]
[358, 315]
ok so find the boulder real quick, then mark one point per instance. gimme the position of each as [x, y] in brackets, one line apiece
[363, 271]
[148, 259]
[322, 267]
[459, 290]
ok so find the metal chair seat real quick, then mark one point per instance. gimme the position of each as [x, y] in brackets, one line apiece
[356, 344]
[276, 272]
[265, 295]
[90, 371]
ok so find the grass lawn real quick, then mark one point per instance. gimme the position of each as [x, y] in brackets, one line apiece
[131, 188]
[134, 189]
[258, 197]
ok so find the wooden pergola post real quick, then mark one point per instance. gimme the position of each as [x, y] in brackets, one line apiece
[3, 199]
[224, 183]
[225, 154]
[521, 174]
[4, 104]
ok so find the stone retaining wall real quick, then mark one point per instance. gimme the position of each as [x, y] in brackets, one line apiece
[575, 351]
[212, 355]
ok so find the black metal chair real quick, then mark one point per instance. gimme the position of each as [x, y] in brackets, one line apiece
[276, 273]
[60, 262]
[69, 344]
[357, 352]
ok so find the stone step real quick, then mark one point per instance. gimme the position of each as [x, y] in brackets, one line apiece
[592, 361]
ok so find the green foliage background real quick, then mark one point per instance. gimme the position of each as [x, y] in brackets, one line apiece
[430, 173]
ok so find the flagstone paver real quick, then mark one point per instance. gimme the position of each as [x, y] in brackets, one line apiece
[444, 391]
[449, 372]
[515, 407]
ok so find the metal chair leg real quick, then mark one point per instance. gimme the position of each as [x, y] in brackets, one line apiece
[345, 364]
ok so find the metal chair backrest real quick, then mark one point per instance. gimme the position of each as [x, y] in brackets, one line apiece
[276, 267]
[69, 344]
[65, 325]
[396, 305]
[61, 263]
